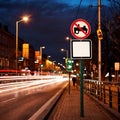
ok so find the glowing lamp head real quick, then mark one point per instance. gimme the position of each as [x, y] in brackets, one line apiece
[62, 49]
[25, 18]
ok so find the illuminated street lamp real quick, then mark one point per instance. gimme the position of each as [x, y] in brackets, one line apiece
[70, 40]
[25, 19]
[63, 58]
[48, 57]
[41, 64]
[43, 47]
[66, 61]
[63, 50]
[53, 64]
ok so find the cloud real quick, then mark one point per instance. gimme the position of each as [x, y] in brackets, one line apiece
[49, 23]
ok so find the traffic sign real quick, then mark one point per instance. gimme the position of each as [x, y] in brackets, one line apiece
[81, 49]
[80, 29]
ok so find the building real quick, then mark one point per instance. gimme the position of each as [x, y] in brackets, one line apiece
[8, 51]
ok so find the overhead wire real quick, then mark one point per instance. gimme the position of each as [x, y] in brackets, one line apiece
[86, 12]
[77, 12]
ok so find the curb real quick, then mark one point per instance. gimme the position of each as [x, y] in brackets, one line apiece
[45, 110]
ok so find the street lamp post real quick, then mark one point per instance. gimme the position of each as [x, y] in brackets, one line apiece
[70, 39]
[41, 57]
[41, 52]
[17, 22]
[53, 64]
[63, 50]
[48, 57]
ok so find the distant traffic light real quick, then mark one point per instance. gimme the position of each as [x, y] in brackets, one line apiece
[99, 34]
[69, 64]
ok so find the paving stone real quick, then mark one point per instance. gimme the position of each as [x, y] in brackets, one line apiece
[68, 108]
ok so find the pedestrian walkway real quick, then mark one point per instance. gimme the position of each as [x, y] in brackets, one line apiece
[68, 108]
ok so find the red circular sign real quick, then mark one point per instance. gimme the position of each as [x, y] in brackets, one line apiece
[80, 29]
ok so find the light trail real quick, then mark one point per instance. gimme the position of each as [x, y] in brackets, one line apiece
[28, 87]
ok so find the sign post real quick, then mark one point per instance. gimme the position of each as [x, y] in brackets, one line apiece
[81, 89]
[81, 49]
[69, 69]
[80, 29]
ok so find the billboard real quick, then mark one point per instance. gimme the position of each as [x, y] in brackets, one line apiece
[25, 52]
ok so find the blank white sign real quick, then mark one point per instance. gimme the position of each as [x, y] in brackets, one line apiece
[81, 49]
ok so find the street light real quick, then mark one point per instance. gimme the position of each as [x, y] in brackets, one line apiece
[53, 65]
[63, 50]
[69, 39]
[25, 19]
[48, 57]
[43, 47]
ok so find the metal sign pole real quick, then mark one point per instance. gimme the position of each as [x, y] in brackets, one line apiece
[69, 83]
[81, 33]
[81, 89]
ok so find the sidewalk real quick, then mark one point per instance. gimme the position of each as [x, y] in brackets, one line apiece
[68, 108]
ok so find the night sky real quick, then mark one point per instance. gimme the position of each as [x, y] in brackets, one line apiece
[49, 22]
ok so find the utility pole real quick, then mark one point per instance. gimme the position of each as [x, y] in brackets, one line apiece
[100, 37]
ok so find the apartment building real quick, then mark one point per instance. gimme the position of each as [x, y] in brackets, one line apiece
[8, 51]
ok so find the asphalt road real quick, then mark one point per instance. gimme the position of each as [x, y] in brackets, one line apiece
[23, 106]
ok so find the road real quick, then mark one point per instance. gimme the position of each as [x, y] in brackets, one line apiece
[20, 100]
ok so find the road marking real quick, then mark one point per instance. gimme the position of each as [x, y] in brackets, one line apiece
[7, 100]
[43, 111]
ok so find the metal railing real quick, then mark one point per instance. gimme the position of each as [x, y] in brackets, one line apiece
[107, 92]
